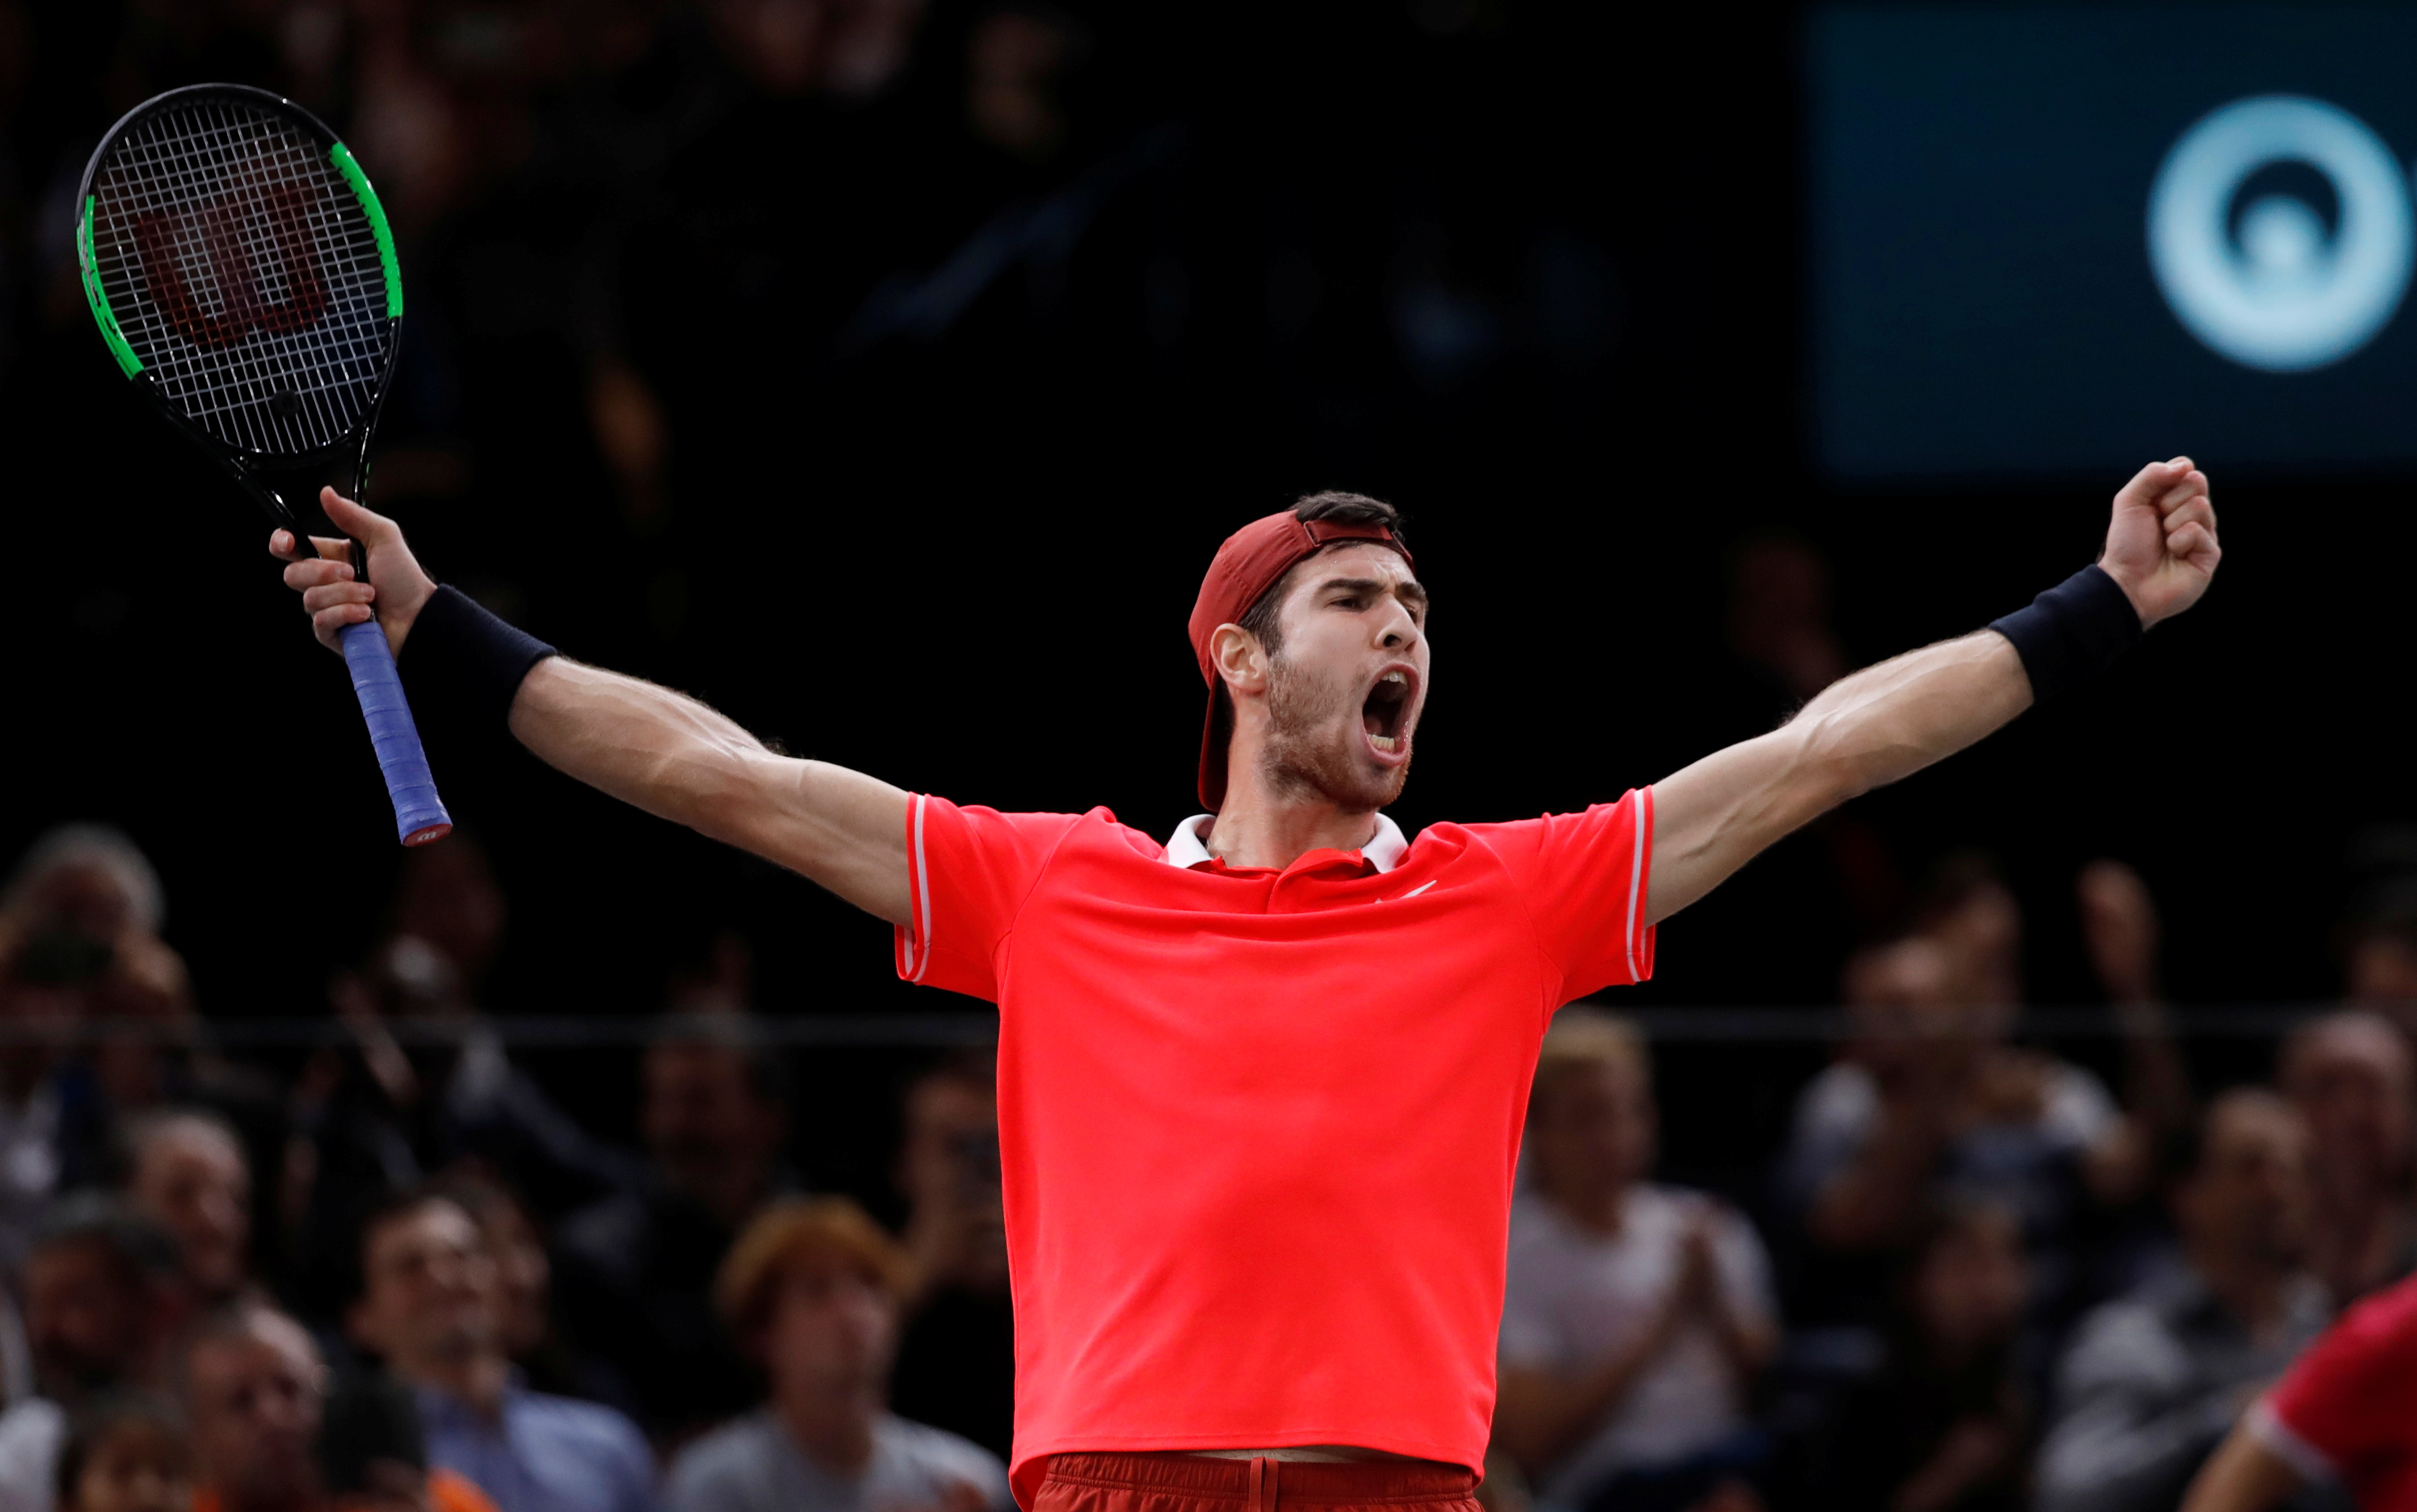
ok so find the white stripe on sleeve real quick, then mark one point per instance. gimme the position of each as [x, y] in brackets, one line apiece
[1637, 872]
[2312, 1463]
[922, 902]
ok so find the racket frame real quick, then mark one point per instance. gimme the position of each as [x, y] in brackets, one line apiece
[252, 469]
[249, 468]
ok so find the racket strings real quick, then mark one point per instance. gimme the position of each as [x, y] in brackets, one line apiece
[244, 274]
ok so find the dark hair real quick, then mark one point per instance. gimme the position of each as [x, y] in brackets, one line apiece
[1953, 1211]
[387, 1209]
[92, 1423]
[141, 1250]
[2183, 1152]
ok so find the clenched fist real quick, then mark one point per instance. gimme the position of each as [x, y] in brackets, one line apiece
[2161, 547]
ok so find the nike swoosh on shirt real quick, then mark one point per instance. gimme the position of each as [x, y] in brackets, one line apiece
[1412, 893]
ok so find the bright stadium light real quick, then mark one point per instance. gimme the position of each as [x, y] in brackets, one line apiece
[2271, 288]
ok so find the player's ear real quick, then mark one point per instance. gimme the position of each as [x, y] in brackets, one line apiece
[1240, 660]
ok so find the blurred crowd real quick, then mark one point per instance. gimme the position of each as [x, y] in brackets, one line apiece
[393, 1268]
[396, 1269]
[1978, 1275]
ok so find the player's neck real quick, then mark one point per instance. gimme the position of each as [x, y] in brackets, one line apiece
[1256, 828]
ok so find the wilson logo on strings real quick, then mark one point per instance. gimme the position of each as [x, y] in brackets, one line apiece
[231, 269]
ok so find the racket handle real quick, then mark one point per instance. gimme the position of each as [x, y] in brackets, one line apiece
[419, 815]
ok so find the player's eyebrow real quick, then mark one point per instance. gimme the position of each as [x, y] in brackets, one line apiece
[1408, 590]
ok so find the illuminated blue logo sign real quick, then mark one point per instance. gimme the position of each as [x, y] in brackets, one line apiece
[2279, 229]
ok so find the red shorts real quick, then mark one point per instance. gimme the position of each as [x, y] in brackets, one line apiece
[1189, 1483]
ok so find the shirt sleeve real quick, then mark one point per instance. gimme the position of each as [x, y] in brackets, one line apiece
[968, 872]
[1583, 878]
[2348, 1396]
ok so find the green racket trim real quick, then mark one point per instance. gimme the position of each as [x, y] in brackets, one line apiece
[126, 360]
[368, 196]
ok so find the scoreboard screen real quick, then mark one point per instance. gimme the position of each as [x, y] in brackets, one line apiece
[2068, 240]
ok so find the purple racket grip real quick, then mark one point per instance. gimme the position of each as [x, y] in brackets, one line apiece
[419, 815]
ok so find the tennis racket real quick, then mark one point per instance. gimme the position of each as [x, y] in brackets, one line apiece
[241, 269]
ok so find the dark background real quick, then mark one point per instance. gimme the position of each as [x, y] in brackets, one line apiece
[948, 433]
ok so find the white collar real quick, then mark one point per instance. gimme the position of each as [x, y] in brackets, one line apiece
[1189, 845]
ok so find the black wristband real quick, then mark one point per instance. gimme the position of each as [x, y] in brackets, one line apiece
[2072, 633]
[459, 652]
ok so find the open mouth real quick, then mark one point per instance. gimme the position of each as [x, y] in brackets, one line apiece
[1387, 705]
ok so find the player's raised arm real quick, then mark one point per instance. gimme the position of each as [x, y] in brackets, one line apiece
[1891, 720]
[644, 743]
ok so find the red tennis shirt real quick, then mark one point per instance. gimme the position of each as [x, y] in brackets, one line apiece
[2348, 1411]
[1257, 1127]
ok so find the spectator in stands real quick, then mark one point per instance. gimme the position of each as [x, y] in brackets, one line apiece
[140, 1029]
[185, 1171]
[78, 927]
[2379, 954]
[635, 1272]
[386, 1116]
[1928, 1094]
[45, 1114]
[256, 1401]
[812, 1286]
[125, 1453]
[956, 1357]
[524, 1294]
[2345, 1416]
[104, 1295]
[446, 895]
[87, 882]
[427, 1307]
[1944, 1425]
[2152, 1381]
[448, 905]
[1637, 1315]
[2350, 1077]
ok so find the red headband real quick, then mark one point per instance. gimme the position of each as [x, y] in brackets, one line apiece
[1253, 560]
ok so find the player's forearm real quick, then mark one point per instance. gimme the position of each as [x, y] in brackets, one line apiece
[681, 759]
[1887, 722]
[643, 744]
[1866, 730]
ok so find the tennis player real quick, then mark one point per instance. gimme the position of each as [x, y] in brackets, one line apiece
[1261, 1085]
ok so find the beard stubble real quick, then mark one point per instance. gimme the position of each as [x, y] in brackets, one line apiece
[1309, 752]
